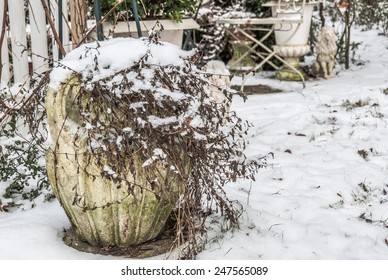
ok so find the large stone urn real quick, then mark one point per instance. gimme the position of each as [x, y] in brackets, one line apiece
[103, 211]
[292, 35]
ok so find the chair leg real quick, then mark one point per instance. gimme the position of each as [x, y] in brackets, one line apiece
[269, 54]
[273, 53]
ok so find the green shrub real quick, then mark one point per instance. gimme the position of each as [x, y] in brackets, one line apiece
[147, 9]
[22, 168]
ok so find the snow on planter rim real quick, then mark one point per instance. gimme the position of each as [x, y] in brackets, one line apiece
[115, 55]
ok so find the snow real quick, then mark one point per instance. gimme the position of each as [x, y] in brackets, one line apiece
[156, 121]
[322, 196]
[236, 14]
[36, 234]
[115, 55]
[157, 154]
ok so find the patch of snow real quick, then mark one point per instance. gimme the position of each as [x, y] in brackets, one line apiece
[156, 121]
[157, 154]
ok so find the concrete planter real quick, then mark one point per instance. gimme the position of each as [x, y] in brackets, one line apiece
[102, 211]
[173, 31]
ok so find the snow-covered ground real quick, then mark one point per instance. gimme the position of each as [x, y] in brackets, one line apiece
[324, 194]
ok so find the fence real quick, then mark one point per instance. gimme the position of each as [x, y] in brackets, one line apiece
[27, 38]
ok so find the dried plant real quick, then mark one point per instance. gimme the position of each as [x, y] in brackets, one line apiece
[168, 122]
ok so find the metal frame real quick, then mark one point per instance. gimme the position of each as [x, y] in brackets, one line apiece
[266, 54]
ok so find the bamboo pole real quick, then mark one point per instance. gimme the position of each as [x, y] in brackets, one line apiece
[99, 22]
[78, 20]
[53, 29]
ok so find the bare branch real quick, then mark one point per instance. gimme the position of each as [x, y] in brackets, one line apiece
[52, 25]
[99, 23]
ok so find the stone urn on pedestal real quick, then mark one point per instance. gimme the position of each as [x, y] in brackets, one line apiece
[292, 35]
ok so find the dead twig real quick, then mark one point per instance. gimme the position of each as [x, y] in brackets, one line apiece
[249, 193]
[52, 25]
[99, 23]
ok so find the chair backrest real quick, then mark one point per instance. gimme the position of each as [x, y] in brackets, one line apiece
[288, 8]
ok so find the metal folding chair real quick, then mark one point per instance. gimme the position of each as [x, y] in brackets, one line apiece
[285, 15]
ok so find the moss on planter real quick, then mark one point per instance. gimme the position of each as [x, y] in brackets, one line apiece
[288, 74]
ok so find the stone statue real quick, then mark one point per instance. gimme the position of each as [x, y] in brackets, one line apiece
[219, 83]
[326, 51]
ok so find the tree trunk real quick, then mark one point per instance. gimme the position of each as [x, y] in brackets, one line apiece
[321, 15]
[3, 25]
[78, 20]
[348, 24]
